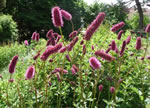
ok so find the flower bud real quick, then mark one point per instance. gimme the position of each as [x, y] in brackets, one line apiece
[112, 89]
[100, 87]
[94, 63]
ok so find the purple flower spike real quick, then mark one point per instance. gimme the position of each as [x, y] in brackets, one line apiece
[148, 57]
[147, 28]
[68, 58]
[30, 72]
[49, 34]
[94, 26]
[92, 47]
[73, 71]
[112, 89]
[100, 87]
[138, 43]
[94, 63]
[26, 43]
[11, 80]
[120, 34]
[117, 26]
[123, 48]
[84, 49]
[73, 34]
[104, 55]
[58, 77]
[113, 45]
[57, 17]
[128, 39]
[66, 15]
[72, 43]
[63, 49]
[12, 64]
[107, 51]
[34, 35]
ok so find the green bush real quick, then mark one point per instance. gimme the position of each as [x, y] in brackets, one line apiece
[8, 28]
[133, 21]
[7, 52]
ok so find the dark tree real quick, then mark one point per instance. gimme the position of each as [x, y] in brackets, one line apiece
[140, 11]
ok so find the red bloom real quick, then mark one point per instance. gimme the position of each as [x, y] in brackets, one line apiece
[147, 28]
[30, 72]
[33, 35]
[123, 47]
[113, 45]
[117, 26]
[84, 49]
[12, 64]
[66, 15]
[120, 34]
[100, 87]
[68, 58]
[72, 43]
[49, 34]
[107, 51]
[138, 43]
[128, 39]
[63, 49]
[36, 56]
[94, 63]
[112, 89]
[57, 17]
[94, 26]
[50, 50]
[73, 34]
[104, 55]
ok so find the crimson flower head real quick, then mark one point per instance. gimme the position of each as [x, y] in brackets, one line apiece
[120, 34]
[63, 49]
[74, 69]
[138, 43]
[34, 35]
[147, 28]
[104, 55]
[148, 57]
[117, 26]
[128, 39]
[72, 44]
[123, 47]
[100, 87]
[30, 72]
[49, 34]
[94, 63]
[68, 58]
[94, 26]
[73, 34]
[50, 50]
[66, 15]
[112, 89]
[12, 64]
[11, 80]
[57, 17]
[113, 45]
[26, 43]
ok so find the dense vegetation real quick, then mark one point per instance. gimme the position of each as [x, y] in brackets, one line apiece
[83, 75]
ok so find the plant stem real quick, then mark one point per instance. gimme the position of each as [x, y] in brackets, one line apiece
[72, 25]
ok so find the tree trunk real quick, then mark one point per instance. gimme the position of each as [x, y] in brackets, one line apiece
[140, 14]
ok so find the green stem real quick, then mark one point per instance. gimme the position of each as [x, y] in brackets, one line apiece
[20, 98]
[98, 98]
[72, 25]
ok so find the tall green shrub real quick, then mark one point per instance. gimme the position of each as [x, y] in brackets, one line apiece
[133, 21]
[8, 28]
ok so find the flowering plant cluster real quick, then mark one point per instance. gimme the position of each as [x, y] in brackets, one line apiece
[69, 74]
